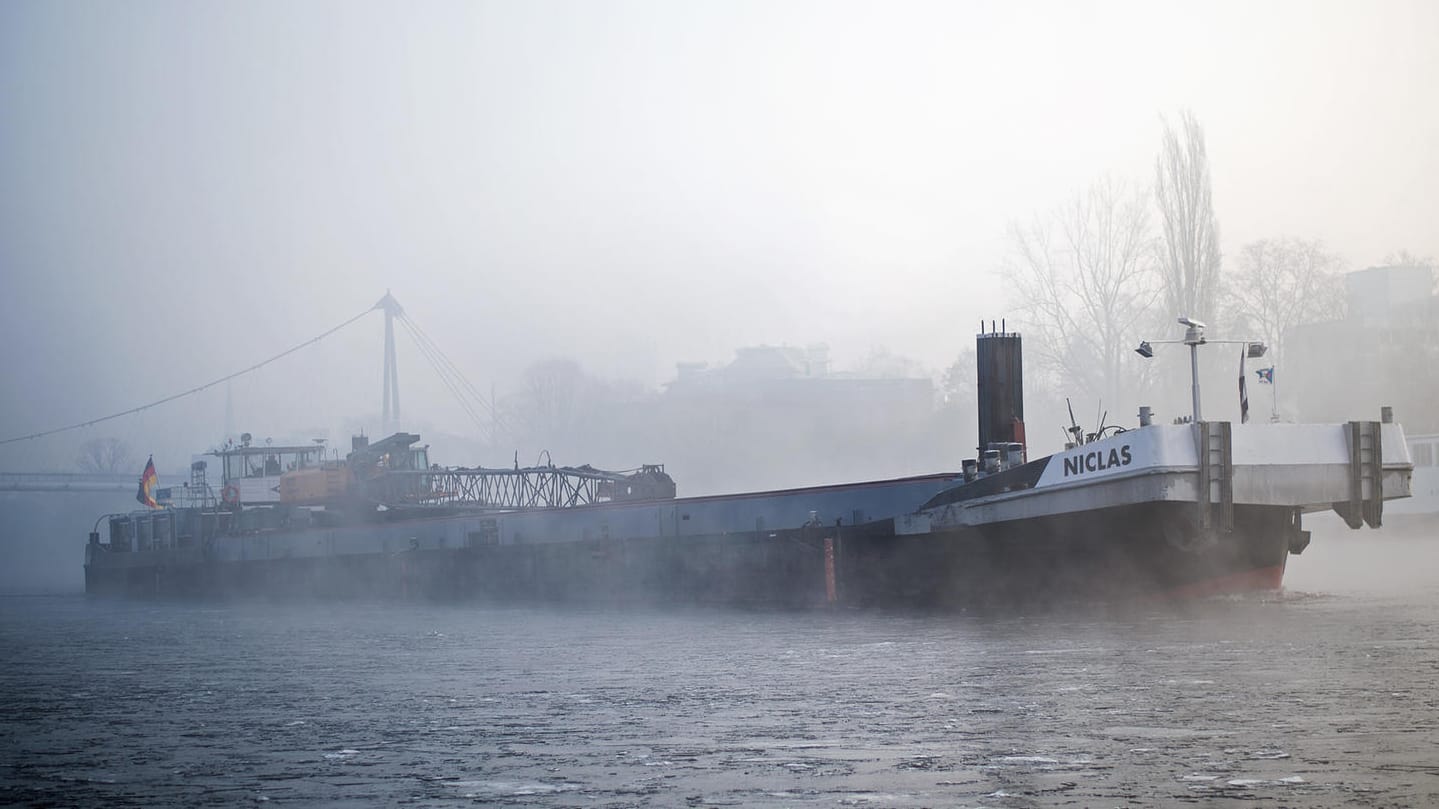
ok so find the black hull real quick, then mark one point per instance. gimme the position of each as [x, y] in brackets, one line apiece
[1137, 550]
[1149, 549]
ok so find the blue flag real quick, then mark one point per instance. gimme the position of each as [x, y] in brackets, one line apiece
[1266, 375]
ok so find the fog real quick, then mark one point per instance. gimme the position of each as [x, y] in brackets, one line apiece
[191, 188]
[612, 190]
[752, 242]
[1397, 561]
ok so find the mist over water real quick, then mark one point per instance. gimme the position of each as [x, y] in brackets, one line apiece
[613, 204]
[1321, 696]
[1398, 561]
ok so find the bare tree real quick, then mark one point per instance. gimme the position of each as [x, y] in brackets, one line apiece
[1087, 279]
[885, 364]
[106, 456]
[1282, 283]
[564, 409]
[1404, 258]
[959, 383]
[550, 402]
[1186, 207]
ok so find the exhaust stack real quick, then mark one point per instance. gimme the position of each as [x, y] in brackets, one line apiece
[998, 356]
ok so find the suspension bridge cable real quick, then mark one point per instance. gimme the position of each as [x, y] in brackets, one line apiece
[189, 392]
[449, 383]
[446, 366]
[443, 376]
[454, 380]
[420, 336]
[485, 401]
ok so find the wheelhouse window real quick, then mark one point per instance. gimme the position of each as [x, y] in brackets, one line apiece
[268, 462]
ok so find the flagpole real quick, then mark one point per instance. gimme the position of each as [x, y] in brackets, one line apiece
[1243, 388]
[1273, 397]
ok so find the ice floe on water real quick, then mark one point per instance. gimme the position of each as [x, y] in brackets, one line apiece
[489, 789]
[1026, 760]
[1201, 780]
[1139, 732]
[882, 798]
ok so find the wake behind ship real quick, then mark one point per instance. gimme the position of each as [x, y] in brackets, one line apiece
[1181, 509]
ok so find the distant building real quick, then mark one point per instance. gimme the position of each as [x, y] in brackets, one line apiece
[1381, 297]
[779, 416]
[786, 381]
[757, 364]
[1384, 352]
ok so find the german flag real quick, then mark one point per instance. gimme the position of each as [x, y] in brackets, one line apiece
[148, 479]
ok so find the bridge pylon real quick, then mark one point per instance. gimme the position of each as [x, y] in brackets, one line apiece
[390, 394]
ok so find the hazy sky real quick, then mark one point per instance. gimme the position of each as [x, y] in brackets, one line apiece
[188, 187]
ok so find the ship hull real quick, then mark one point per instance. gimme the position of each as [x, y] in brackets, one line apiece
[1182, 510]
[1141, 550]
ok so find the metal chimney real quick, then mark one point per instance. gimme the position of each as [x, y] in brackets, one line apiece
[998, 355]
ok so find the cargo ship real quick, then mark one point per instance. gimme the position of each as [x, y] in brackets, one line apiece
[1184, 509]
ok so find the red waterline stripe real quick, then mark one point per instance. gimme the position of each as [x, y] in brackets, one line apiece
[1264, 578]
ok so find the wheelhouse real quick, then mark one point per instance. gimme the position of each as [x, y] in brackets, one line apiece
[250, 473]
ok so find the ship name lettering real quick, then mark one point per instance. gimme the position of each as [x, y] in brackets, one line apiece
[1097, 460]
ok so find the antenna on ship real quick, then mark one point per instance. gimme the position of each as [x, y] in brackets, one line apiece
[390, 406]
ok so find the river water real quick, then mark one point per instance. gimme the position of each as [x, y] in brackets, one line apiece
[1323, 696]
